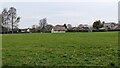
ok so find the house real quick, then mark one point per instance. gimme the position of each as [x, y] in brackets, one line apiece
[109, 26]
[26, 30]
[87, 28]
[46, 28]
[77, 29]
[74, 29]
[23, 30]
[117, 27]
[80, 28]
[58, 29]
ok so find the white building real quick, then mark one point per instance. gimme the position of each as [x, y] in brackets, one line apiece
[58, 29]
[109, 25]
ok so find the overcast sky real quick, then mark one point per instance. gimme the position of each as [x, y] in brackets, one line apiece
[72, 12]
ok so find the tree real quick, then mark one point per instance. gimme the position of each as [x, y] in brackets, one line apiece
[65, 25]
[1, 19]
[69, 26]
[81, 25]
[119, 22]
[103, 23]
[97, 24]
[4, 20]
[42, 24]
[13, 19]
[34, 28]
[10, 19]
[48, 28]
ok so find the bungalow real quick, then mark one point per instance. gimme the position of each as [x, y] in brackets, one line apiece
[23, 30]
[109, 25]
[26, 30]
[117, 27]
[77, 29]
[58, 29]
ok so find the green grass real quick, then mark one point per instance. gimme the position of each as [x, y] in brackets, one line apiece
[62, 49]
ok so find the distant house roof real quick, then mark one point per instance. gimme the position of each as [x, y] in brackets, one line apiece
[23, 30]
[118, 27]
[59, 28]
[76, 28]
[109, 24]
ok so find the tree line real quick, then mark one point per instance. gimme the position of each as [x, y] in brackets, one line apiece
[9, 22]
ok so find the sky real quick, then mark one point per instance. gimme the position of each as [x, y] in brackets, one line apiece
[63, 12]
[59, 0]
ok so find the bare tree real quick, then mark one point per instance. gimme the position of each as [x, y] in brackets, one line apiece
[35, 28]
[81, 25]
[48, 28]
[42, 24]
[4, 19]
[65, 26]
[12, 16]
[69, 26]
[10, 19]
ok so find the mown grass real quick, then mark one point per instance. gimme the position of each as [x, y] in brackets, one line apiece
[62, 49]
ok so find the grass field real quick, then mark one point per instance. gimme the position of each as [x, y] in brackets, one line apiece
[62, 49]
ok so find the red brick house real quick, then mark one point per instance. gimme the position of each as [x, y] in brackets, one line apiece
[58, 29]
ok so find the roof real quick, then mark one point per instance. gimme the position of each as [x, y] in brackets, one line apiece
[110, 23]
[118, 27]
[59, 28]
[76, 28]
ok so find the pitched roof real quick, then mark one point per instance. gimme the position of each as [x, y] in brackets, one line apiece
[118, 27]
[59, 28]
